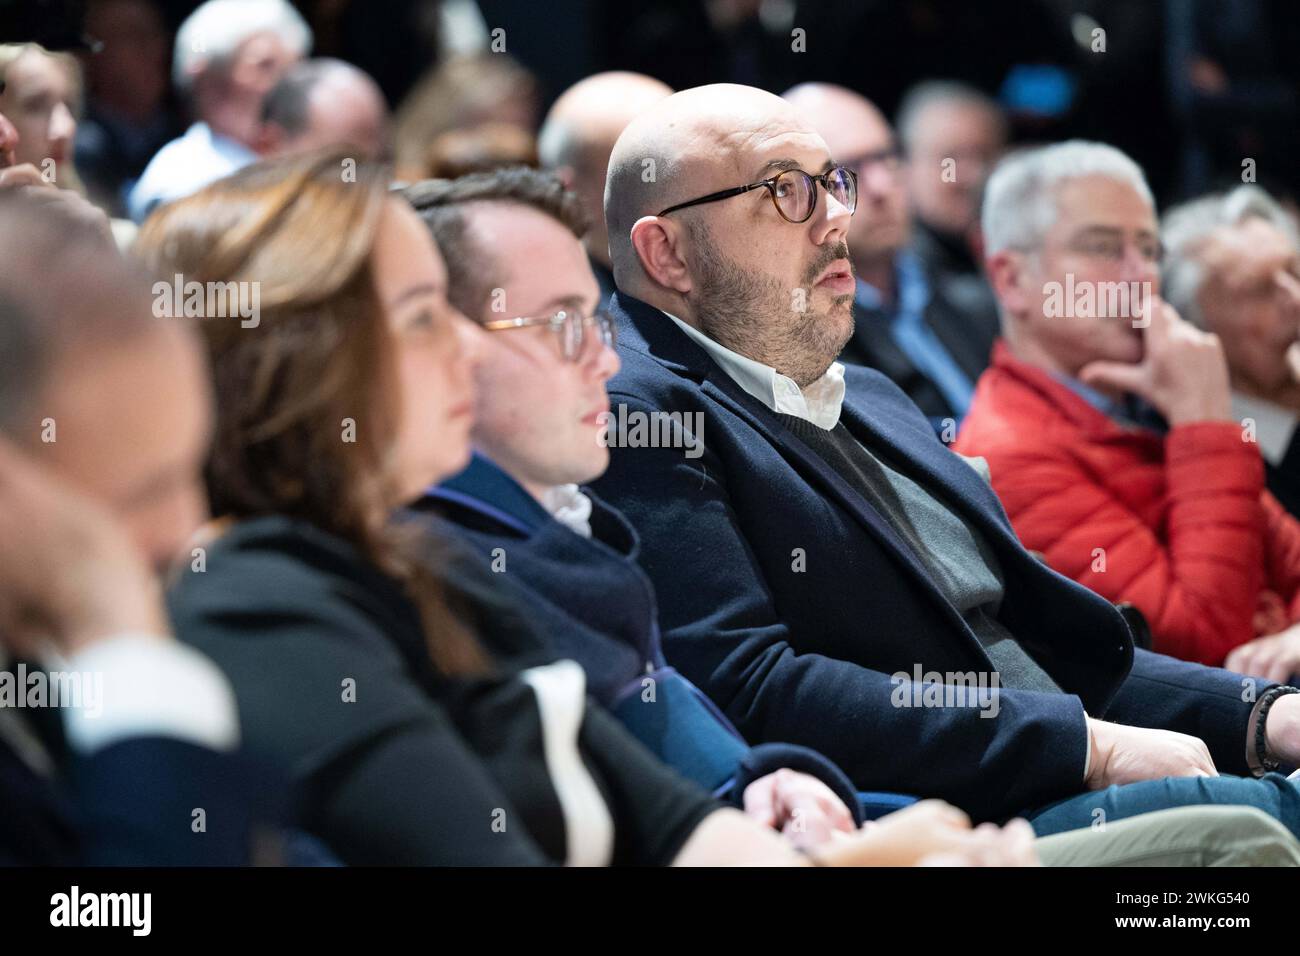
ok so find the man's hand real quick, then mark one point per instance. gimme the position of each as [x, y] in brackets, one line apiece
[932, 833]
[1122, 754]
[803, 808]
[1274, 657]
[68, 573]
[28, 178]
[990, 845]
[24, 174]
[1182, 373]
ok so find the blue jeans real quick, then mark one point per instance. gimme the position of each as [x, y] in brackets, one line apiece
[1274, 794]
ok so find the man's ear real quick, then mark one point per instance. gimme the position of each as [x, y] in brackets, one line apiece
[1008, 275]
[657, 242]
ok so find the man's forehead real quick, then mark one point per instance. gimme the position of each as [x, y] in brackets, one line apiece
[764, 150]
[504, 221]
[517, 234]
[868, 132]
[1261, 234]
[1084, 202]
[1251, 243]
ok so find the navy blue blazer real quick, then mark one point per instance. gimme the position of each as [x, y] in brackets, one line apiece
[791, 601]
[130, 804]
[590, 602]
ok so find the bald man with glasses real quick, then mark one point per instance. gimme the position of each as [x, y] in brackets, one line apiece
[825, 569]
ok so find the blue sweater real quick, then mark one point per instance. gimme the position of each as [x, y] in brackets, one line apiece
[591, 603]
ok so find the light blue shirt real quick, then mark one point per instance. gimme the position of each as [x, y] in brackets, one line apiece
[184, 166]
[1129, 410]
[908, 328]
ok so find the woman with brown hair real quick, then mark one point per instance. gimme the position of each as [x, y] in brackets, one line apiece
[343, 393]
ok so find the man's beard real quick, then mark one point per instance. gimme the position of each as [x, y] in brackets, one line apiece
[757, 316]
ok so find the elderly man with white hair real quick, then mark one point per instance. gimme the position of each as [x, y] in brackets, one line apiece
[1232, 267]
[228, 56]
[1107, 423]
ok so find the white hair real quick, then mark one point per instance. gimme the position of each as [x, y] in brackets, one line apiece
[1186, 228]
[216, 29]
[1020, 198]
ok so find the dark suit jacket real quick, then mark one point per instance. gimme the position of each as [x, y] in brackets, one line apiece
[129, 804]
[968, 321]
[873, 346]
[590, 602]
[1283, 479]
[790, 600]
[964, 321]
[604, 279]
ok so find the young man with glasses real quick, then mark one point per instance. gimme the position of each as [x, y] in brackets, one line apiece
[511, 239]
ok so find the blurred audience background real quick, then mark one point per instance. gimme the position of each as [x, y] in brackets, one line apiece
[986, 152]
[1191, 89]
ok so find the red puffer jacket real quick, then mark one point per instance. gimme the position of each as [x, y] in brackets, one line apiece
[1179, 525]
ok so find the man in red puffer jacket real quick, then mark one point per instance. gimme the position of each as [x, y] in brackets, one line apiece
[1105, 420]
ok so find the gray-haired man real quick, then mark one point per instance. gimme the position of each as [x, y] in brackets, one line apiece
[1232, 267]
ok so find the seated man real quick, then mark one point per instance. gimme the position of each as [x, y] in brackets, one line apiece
[1232, 267]
[324, 103]
[575, 142]
[1107, 424]
[952, 135]
[825, 569]
[99, 489]
[228, 56]
[520, 508]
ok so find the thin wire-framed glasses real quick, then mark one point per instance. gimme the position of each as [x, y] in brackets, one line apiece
[569, 325]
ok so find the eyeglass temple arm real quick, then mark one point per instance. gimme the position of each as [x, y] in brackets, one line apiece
[519, 322]
[714, 197]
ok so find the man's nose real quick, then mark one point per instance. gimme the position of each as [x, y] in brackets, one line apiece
[468, 342]
[1137, 266]
[163, 532]
[63, 125]
[8, 141]
[603, 362]
[1288, 291]
[833, 223]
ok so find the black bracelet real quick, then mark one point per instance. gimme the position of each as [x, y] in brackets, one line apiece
[1270, 697]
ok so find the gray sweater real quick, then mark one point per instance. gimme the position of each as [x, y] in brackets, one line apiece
[958, 558]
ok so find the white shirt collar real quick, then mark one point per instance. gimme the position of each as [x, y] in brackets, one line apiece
[570, 507]
[1273, 424]
[819, 403]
